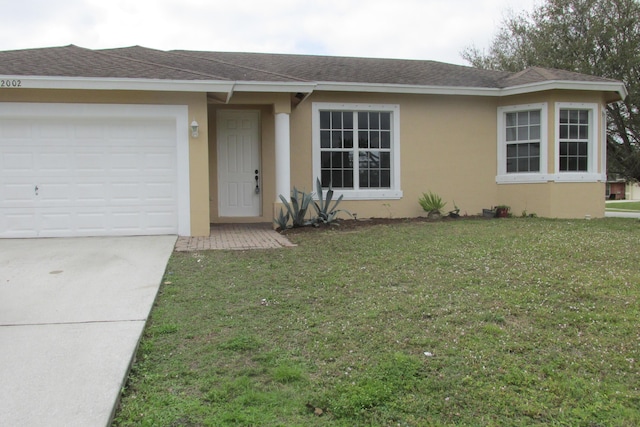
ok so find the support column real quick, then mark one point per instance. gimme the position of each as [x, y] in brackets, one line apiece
[283, 156]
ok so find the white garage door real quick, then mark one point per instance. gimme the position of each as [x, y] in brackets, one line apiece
[88, 171]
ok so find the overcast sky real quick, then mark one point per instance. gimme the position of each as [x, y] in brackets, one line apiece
[414, 29]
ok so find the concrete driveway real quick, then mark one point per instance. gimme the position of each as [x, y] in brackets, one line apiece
[71, 314]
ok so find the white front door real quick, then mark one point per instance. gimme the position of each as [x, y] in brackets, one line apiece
[239, 174]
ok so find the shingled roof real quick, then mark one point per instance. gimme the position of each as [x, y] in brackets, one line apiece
[180, 65]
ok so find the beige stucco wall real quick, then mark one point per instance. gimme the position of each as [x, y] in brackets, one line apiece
[198, 147]
[447, 146]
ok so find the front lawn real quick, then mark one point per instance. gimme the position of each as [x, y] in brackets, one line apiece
[623, 206]
[470, 322]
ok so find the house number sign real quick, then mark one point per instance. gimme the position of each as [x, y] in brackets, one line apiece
[10, 83]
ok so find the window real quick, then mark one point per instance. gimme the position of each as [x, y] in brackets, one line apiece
[574, 140]
[356, 149]
[523, 141]
[522, 144]
[577, 142]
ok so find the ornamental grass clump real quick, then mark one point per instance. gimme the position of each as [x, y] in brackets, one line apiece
[432, 204]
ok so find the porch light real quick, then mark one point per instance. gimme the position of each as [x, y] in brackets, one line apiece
[194, 129]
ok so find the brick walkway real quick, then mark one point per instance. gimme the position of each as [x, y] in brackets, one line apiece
[236, 237]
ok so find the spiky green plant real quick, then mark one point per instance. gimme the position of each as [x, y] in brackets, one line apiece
[327, 213]
[297, 207]
[431, 203]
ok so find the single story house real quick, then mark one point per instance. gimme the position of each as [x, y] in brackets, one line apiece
[140, 141]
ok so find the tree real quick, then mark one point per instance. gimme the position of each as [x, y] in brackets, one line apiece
[597, 37]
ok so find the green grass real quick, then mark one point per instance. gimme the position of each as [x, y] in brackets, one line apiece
[623, 206]
[523, 322]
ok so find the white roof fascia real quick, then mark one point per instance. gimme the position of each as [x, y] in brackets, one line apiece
[619, 88]
[289, 87]
[91, 83]
[406, 89]
[475, 91]
[228, 87]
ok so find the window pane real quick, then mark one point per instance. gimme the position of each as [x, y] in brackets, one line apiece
[523, 133]
[511, 134]
[534, 117]
[511, 119]
[385, 179]
[336, 139]
[336, 120]
[523, 165]
[385, 139]
[534, 132]
[326, 178]
[375, 140]
[584, 132]
[582, 164]
[325, 139]
[534, 164]
[583, 148]
[573, 148]
[512, 150]
[511, 165]
[325, 160]
[336, 160]
[564, 116]
[574, 116]
[374, 120]
[584, 116]
[363, 121]
[364, 178]
[573, 132]
[347, 159]
[348, 178]
[534, 149]
[347, 120]
[564, 131]
[385, 121]
[325, 120]
[336, 179]
[563, 148]
[563, 164]
[523, 150]
[385, 160]
[523, 118]
[363, 139]
[348, 139]
[374, 179]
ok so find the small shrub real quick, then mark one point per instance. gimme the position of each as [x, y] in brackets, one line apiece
[282, 220]
[432, 203]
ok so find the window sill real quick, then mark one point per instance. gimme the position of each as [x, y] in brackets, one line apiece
[523, 178]
[542, 178]
[368, 194]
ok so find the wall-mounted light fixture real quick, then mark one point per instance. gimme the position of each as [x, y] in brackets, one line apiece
[194, 129]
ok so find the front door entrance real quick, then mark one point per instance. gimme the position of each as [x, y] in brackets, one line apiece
[239, 174]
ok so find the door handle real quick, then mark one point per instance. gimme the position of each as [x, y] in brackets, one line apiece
[257, 182]
[36, 189]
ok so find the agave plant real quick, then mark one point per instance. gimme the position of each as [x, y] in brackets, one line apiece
[327, 213]
[297, 207]
[282, 220]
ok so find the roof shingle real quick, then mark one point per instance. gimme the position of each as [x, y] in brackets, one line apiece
[142, 63]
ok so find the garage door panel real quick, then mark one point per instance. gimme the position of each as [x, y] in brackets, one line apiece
[95, 176]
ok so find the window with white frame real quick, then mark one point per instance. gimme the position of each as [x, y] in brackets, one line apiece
[522, 143]
[356, 149]
[576, 142]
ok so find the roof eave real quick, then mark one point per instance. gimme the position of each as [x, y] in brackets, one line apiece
[617, 88]
[105, 83]
[227, 86]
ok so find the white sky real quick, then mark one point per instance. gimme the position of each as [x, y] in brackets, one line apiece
[413, 29]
